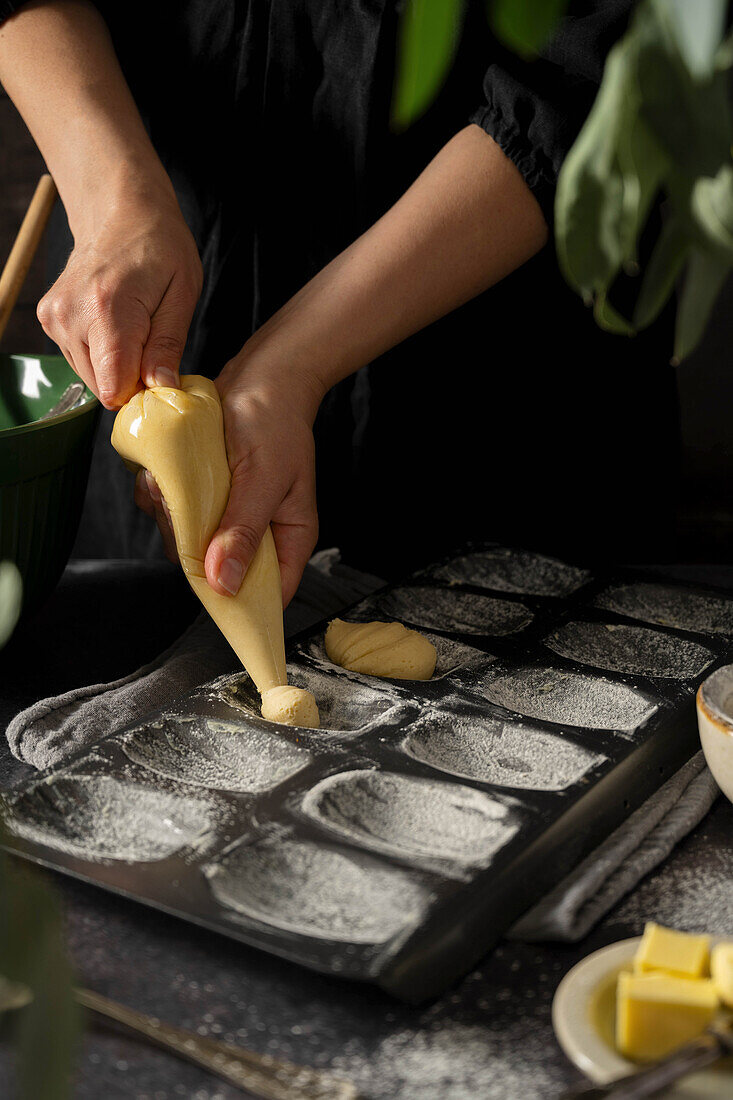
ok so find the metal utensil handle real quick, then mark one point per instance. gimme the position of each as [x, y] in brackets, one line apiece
[262, 1075]
[68, 399]
[649, 1082]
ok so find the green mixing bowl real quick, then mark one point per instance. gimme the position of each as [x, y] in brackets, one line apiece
[44, 468]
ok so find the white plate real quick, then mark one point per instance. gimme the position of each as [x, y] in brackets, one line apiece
[583, 1017]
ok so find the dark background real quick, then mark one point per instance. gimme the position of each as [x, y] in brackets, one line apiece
[705, 381]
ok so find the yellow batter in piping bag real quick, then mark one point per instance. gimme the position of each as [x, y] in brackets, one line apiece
[178, 435]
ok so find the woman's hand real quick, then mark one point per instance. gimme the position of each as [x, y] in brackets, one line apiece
[467, 221]
[268, 423]
[121, 308]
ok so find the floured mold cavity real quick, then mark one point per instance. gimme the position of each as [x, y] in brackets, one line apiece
[417, 817]
[569, 698]
[506, 754]
[451, 655]
[519, 571]
[99, 817]
[453, 611]
[670, 606]
[225, 756]
[316, 891]
[345, 703]
[630, 649]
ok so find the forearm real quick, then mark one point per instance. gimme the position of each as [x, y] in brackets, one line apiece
[467, 222]
[58, 65]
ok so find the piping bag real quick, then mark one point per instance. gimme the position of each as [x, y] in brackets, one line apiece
[178, 435]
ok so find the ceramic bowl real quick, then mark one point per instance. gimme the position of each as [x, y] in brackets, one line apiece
[715, 722]
[44, 467]
[583, 1016]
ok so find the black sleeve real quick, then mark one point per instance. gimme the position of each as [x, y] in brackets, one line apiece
[8, 7]
[534, 110]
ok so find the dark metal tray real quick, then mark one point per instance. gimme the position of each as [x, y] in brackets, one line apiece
[397, 844]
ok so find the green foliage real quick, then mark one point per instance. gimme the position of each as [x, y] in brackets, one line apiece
[427, 41]
[428, 35]
[32, 954]
[11, 595]
[660, 127]
[525, 25]
[660, 124]
[31, 945]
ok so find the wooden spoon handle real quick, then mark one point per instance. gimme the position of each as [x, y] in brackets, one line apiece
[24, 248]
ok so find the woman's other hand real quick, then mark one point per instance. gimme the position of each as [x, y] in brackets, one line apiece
[121, 308]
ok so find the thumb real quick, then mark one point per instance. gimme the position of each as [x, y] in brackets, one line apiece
[163, 351]
[239, 535]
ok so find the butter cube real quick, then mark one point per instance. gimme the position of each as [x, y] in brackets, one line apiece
[675, 953]
[721, 971]
[656, 1013]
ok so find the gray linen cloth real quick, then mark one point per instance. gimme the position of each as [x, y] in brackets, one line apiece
[53, 729]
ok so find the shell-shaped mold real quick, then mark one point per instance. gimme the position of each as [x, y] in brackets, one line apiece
[636, 650]
[412, 816]
[519, 571]
[505, 754]
[99, 817]
[313, 890]
[226, 756]
[453, 611]
[451, 655]
[670, 606]
[345, 703]
[569, 698]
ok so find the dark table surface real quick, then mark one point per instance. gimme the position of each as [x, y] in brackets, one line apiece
[490, 1038]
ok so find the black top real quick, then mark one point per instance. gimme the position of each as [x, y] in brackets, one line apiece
[515, 417]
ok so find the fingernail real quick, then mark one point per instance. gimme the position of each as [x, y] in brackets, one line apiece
[230, 575]
[164, 377]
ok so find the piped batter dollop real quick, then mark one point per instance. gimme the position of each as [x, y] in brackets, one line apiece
[380, 649]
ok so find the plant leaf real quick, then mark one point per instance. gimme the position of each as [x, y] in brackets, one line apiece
[698, 29]
[31, 952]
[609, 318]
[525, 26]
[643, 165]
[11, 596]
[724, 56]
[664, 266]
[690, 117]
[704, 278]
[590, 201]
[427, 38]
[712, 208]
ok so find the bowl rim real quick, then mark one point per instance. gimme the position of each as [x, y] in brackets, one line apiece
[90, 400]
[39, 425]
[708, 697]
